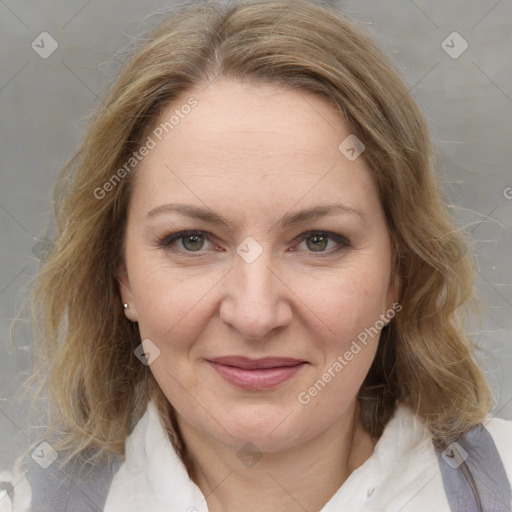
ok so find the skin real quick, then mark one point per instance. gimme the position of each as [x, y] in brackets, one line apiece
[253, 153]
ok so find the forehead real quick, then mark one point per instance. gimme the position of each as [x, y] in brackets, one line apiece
[252, 117]
[263, 143]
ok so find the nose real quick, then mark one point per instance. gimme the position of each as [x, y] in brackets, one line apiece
[256, 299]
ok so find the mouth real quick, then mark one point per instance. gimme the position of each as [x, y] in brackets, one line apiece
[256, 374]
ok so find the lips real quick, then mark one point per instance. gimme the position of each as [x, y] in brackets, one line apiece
[256, 374]
[247, 363]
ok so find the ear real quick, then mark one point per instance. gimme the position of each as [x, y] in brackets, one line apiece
[125, 292]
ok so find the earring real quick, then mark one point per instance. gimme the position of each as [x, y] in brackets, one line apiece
[125, 306]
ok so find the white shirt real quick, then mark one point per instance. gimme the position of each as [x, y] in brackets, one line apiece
[402, 474]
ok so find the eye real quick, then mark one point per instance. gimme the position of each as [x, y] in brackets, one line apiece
[318, 241]
[191, 241]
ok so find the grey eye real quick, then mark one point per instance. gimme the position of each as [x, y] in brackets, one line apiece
[318, 242]
[192, 242]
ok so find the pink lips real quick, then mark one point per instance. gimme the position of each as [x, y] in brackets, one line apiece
[256, 374]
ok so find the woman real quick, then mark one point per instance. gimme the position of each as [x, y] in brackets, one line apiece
[256, 296]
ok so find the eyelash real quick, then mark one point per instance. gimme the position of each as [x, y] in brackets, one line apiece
[166, 241]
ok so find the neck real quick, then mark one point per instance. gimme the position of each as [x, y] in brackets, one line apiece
[303, 477]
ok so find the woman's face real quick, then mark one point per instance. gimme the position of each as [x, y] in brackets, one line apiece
[290, 257]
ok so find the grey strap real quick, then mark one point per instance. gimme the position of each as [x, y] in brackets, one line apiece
[473, 474]
[73, 488]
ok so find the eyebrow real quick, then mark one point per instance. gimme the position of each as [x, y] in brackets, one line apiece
[289, 219]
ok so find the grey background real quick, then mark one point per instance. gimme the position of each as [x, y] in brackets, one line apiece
[44, 105]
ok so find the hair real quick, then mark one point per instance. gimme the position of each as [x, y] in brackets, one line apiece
[97, 388]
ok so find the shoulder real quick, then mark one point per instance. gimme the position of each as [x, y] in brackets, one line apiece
[488, 458]
[74, 487]
[478, 466]
[501, 433]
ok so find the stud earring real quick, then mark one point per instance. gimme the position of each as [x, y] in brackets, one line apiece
[125, 306]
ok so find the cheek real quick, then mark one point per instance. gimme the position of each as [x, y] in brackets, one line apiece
[343, 304]
[334, 387]
[347, 330]
[170, 306]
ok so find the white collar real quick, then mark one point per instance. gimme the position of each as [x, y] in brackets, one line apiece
[152, 477]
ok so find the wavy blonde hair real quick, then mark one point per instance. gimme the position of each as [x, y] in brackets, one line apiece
[96, 386]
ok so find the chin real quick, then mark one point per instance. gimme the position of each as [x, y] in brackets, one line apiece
[269, 429]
